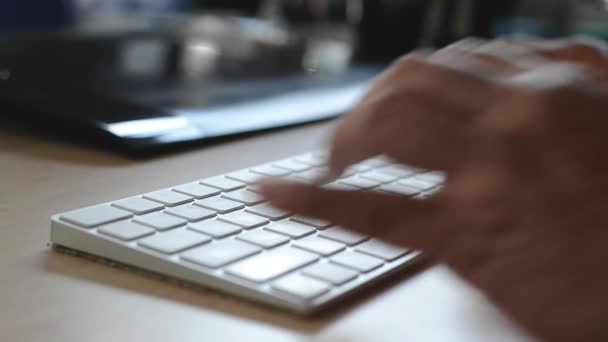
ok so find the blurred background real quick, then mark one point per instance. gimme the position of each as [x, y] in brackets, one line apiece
[133, 75]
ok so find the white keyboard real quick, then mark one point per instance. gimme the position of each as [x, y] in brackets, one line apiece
[219, 233]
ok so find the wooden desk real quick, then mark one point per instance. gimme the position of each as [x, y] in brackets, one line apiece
[48, 296]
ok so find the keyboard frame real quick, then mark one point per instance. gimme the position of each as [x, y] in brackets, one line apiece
[90, 241]
[79, 239]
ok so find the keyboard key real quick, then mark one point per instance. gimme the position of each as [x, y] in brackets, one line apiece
[272, 264]
[244, 196]
[125, 230]
[268, 211]
[317, 223]
[311, 175]
[357, 261]
[399, 189]
[244, 220]
[376, 162]
[397, 171]
[381, 249]
[245, 176]
[297, 179]
[320, 246]
[304, 177]
[311, 159]
[197, 190]
[360, 167]
[95, 216]
[322, 153]
[379, 176]
[190, 212]
[168, 197]
[433, 191]
[291, 165]
[228, 232]
[254, 188]
[219, 204]
[216, 228]
[331, 273]
[292, 229]
[138, 205]
[174, 241]
[417, 183]
[360, 183]
[347, 173]
[421, 196]
[436, 177]
[160, 221]
[223, 183]
[301, 286]
[343, 235]
[337, 186]
[263, 238]
[221, 253]
[270, 170]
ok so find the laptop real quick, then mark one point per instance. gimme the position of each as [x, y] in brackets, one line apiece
[138, 91]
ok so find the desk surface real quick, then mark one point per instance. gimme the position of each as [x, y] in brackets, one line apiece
[48, 296]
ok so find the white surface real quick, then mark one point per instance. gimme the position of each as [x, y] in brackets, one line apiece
[173, 247]
[47, 296]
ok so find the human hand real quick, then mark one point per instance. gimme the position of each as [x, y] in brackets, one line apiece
[524, 213]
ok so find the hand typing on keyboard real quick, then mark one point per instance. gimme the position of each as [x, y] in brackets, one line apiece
[520, 129]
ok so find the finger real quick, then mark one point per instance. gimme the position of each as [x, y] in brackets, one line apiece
[396, 219]
[587, 51]
[475, 56]
[582, 55]
[596, 46]
[457, 74]
[499, 58]
[392, 74]
[406, 127]
[423, 120]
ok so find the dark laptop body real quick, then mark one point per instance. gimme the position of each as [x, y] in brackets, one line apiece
[135, 93]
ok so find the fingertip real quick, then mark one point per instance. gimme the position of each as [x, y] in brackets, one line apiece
[344, 152]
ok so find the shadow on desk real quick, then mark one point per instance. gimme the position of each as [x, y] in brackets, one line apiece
[43, 147]
[74, 264]
[92, 149]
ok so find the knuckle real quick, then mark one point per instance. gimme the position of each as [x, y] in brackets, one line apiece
[375, 113]
[521, 114]
[425, 81]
